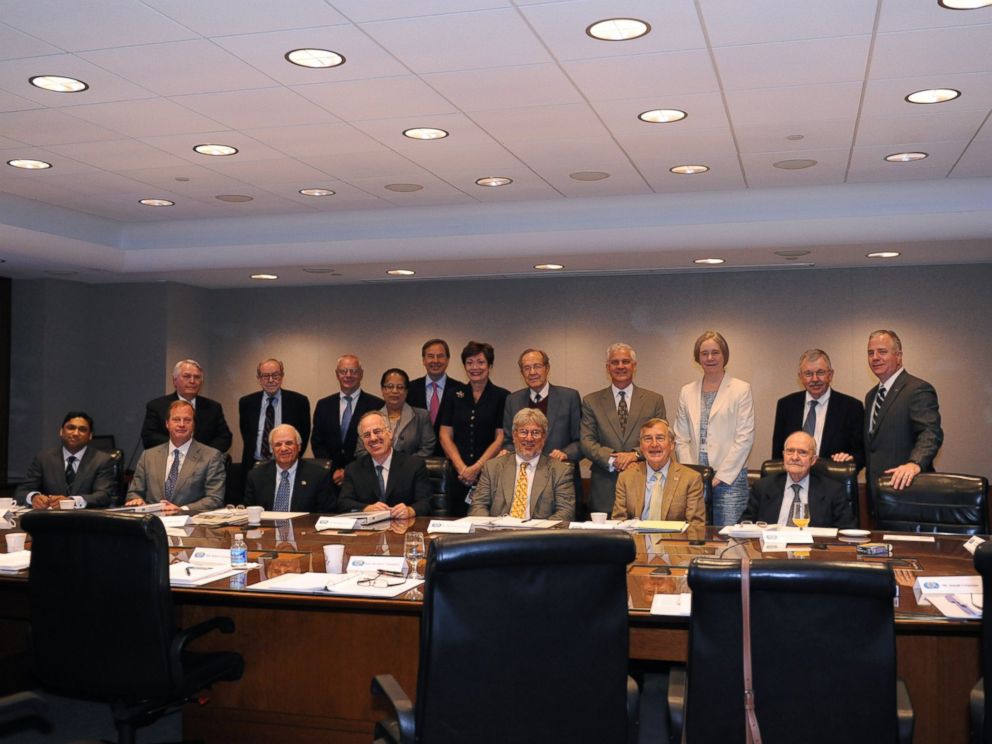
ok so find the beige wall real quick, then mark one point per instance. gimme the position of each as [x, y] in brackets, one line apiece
[121, 357]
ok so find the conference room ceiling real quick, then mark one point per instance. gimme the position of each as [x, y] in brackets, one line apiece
[524, 93]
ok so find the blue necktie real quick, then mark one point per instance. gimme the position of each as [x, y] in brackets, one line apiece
[346, 418]
[382, 483]
[282, 493]
[809, 426]
[170, 481]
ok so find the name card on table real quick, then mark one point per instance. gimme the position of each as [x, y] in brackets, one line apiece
[972, 544]
[453, 526]
[934, 585]
[679, 605]
[772, 540]
[373, 563]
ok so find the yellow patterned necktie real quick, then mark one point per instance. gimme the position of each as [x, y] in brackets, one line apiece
[519, 508]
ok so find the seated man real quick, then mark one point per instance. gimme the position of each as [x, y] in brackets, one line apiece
[660, 488]
[182, 474]
[386, 480]
[286, 483]
[526, 484]
[73, 470]
[772, 496]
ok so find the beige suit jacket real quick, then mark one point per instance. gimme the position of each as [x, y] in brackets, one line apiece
[682, 498]
[552, 494]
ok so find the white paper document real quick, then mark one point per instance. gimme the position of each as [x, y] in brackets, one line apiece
[908, 538]
[310, 582]
[186, 574]
[609, 524]
[356, 585]
[525, 524]
[958, 606]
[11, 562]
[282, 515]
[449, 526]
[176, 520]
[371, 563]
[678, 605]
[752, 530]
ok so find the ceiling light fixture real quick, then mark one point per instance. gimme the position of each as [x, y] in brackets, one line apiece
[403, 188]
[933, 95]
[234, 198]
[493, 181]
[905, 157]
[317, 192]
[265, 277]
[709, 261]
[215, 150]
[964, 4]
[58, 83]
[618, 29]
[882, 254]
[425, 133]
[29, 164]
[157, 202]
[588, 175]
[401, 272]
[794, 164]
[795, 137]
[689, 170]
[662, 116]
[315, 58]
[549, 267]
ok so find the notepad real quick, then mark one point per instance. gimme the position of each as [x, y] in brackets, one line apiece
[678, 605]
[18, 561]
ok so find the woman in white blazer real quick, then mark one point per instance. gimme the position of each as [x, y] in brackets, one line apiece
[714, 426]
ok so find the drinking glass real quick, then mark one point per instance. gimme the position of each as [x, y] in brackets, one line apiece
[800, 514]
[413, 551]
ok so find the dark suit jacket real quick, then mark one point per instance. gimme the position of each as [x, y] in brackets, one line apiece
[416, 396]
[313, 489]
[408, 484]
[843, 431]
[94, 479]
[327, 443]
[295, 412]
[209, 424]
[908, 427]
[829, 505]
[564, 420]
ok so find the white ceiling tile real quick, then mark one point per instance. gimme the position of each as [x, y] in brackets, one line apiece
[677, 144]
[60, 163]
[560, 157]
[10, 102]
[888, 97]
[257, 109]
[435, 191]
[182, 145]
[927, 126]
[869, 164]
[345, 197]
[771, 105]
[307, 142]
[15, 44]
[360, 11]
[976, 162]
[102, 182]
[505, 87]
[760, 21]
[147, 118]
[225, 17]
[537, 123]
[704, 111]
[526, 185]
[821, 134]
[724, 174]
[814, 61]
[389, 132]
[121, 155]
[264, 174]
[900, 16]
[105, 86]
[6, 143]
[761, 172]
[49, 127]
[352, 164]
[942, 50]
[378, 98]
[623, 181]
[484, 157]
[202, 182]
[661, 75]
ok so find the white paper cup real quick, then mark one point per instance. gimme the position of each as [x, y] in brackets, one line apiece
[333, 558]
[67, 504]
[15, 541]
[598, 517]
[255, 514]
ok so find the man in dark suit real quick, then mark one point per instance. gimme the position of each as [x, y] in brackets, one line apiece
[902, 417]
[772, 497]
[387, 480]
[428, 391]
[259, 413]
[835, 420]
[74, 470]
[336, 417]
[286, 483]
[211, 426]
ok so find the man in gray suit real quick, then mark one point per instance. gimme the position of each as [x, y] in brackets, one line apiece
[182, 474]
[902, 417]
[611, 424]
[74, 470]
[527, 484]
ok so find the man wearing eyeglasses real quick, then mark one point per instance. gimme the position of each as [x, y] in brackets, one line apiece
[387, 480]
[260, 413]
[833, 419]
[285, 483]
[526, 484]
[211, 426]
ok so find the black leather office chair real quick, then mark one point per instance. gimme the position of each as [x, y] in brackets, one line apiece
[437, 470]
[981, 707]
[708, 473]
[523, 639]
[823, 655]
[19, 707]
[846, 473]
[102, 621]
[934, 502]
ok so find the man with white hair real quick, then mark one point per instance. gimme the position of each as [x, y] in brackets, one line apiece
[286, 483]
[210, 425]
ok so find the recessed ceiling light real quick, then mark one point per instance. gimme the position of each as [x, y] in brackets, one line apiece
[796, 137]
[662, 116]
[318, 269]
[933, 95]
[588, 175]
[182, 179]
[709, 261]
[964, 4]
[792, 253]
[234, 198]
[216, 150]
[549, 267]
[618, 29]
[882, 254]
[316, 192]
[157, 202]
[689, 170]
[425, 133]
[265, 277]
[493, 181]
[58, 83]
[403, 188]
[314, 58]
[29, 164]
[401, 272]
[795, 164]
[905, 157]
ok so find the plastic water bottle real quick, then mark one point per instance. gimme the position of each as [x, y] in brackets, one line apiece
[239, 551]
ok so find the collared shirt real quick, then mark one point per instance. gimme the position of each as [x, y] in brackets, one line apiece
[543, 392]
[650, 476]
[821, 416]
[277, 404]
[191, 401]
[386, 464]
[529, 472]
[785, 512]
[183, 451]
[889, 383]
[441, 382]
[80, 502]
[343, 404]
[292, 480]
[627, 393]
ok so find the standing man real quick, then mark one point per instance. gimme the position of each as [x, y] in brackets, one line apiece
[74, 470]
[902, 417]
[611, 424]
[211, 426]
[181, 474]
[260, 413]
[428, 391]
[836, 421]
[336, 417]
[286, 483]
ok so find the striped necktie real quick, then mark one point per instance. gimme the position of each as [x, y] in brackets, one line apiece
[879, 399]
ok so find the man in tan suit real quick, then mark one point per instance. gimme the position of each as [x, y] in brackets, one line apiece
[660, 488]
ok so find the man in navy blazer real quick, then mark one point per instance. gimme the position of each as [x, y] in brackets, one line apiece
[48, 480]
[772, 497]
[835, 420]
[435, 384]
[387, 479]
[336, 417]
[287, 408]
[308, 486]
[211, 426]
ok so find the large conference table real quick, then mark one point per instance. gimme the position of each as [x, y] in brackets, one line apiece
[309, 659]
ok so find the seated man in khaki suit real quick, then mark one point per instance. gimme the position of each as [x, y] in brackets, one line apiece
[660, 488]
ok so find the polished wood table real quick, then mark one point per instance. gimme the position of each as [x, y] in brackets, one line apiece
[309, 659]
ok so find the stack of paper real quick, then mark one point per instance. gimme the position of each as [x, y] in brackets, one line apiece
[186, 574]
[11, 562]
[656, 525]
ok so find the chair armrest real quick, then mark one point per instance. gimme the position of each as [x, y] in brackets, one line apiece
[633, 711]
[21, 705]
[385, 685]
[676, 703]
[977, 705]
[185, 635]
[904, 710]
